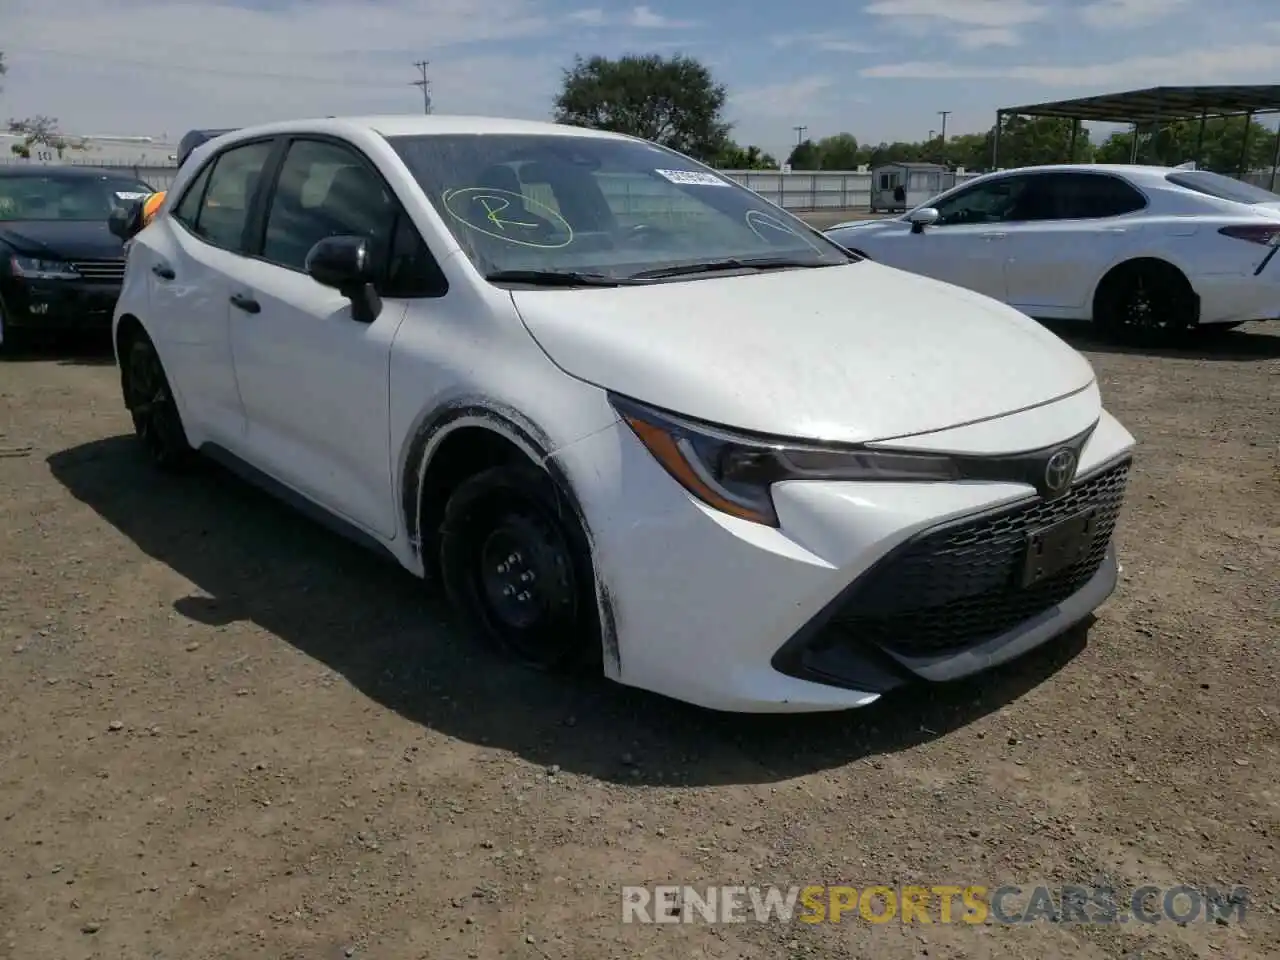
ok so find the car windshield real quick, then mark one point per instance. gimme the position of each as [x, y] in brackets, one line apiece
[56, 196]
[599, 206]
[1224, 188]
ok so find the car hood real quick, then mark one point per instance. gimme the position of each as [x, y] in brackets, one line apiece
[61, 239]
[850, 353]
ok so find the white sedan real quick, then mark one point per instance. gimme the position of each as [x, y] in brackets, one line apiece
[1147, 251]
[629, 413]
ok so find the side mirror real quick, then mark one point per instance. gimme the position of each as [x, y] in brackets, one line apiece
[346, 265]
[121, 219]
[921, 218]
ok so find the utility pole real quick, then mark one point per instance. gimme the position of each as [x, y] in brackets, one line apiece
[424, 84]
[800, 132]
[944, 114]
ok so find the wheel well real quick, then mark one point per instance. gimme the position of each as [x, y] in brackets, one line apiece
[462, 454]
[128, 327]
[1159, 269]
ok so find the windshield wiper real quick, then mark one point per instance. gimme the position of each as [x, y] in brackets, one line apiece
[554, 278]
[712, 266]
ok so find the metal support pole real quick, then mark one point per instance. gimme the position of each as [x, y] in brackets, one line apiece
[1275, 160]
[995, 143]
[1199, 157]
[1075, 132]
[1133, 145]
[1244, 144]
[1154, 153]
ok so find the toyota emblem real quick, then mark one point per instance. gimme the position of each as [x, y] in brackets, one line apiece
[1059, 471]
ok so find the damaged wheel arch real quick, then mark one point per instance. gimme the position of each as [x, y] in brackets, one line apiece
[464, 438]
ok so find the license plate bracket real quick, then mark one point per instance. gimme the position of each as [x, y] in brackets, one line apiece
[1054, 548]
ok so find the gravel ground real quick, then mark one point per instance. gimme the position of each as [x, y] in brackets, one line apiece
[227, 733]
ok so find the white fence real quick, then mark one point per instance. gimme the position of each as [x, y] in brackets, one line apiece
[798, 191]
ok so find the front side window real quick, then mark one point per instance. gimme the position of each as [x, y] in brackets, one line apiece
[325, 190]
[223, 210]
[58, 196]
[991, 202]
[580, 204]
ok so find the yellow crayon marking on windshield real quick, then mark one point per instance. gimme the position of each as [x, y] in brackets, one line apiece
[491, 213]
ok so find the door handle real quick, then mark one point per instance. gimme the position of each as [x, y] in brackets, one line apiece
[994, 236]
[163, 271]
[242, 301]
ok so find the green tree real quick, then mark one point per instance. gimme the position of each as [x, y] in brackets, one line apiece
[839, 152]
[805, 156]
[1176, 143]
[672, 101]
[41, 131]
[735, 157]
[1028, 141]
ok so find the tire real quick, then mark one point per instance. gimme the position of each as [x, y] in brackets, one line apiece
[516, 565]
[1146, 303]
[149, 399]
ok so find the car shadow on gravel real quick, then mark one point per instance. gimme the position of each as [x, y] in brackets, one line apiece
[255, 560]
[77, 350]
[1255, 342]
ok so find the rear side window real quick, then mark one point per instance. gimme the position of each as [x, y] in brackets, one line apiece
[1088, 196]
[216, 207]
[188, 209]
[1224, 188]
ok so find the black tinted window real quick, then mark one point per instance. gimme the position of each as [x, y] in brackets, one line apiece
[224, 208]
[325, 190]
[1224, 188]
[1084, 196]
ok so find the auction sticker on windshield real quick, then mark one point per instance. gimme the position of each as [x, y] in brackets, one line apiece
[693, 177]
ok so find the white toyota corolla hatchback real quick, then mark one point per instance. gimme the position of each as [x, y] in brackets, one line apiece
[628, 412]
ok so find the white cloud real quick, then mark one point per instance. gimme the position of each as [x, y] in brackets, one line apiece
[135, 66]
[639, 18]
[974, 13]
[783, 99]
[1110, 14]
[974, 24]
[1212, 65]
[828, 41]
[988, 37]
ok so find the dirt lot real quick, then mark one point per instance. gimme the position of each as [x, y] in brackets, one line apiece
[227, 733]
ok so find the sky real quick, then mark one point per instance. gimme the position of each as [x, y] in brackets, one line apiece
[880, 69]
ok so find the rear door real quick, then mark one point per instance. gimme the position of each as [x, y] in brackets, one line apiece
[1070, 229]
[191, 256]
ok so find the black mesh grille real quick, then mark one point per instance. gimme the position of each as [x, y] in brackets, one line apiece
[961, 585]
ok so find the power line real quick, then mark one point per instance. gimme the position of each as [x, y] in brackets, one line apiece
[425, 84]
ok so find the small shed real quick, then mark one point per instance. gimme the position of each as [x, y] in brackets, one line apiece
[897, 187]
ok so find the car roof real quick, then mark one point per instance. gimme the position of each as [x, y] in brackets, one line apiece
[68, 172]
[1130, 171]
[407, 125]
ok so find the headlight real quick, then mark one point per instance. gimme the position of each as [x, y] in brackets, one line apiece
[34, 269]
[734, 473]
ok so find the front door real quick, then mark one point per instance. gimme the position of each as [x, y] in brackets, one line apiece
[313, 380]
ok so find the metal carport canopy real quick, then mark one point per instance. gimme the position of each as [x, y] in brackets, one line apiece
[1153, 105]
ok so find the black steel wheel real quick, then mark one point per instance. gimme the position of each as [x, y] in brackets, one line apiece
[516, 564]
[156, 420]
[1146, 303]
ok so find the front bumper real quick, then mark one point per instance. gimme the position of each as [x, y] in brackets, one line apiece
[733, 615]
[59, 304]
